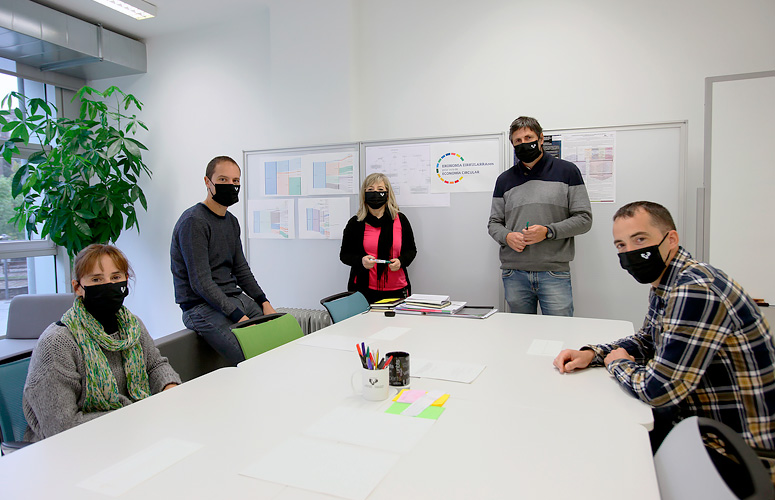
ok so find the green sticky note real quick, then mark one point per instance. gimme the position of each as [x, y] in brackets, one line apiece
[431, 412]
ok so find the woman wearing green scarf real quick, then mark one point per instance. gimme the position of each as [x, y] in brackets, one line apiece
[98, 358]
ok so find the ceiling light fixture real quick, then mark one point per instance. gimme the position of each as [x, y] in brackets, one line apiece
[137, 9]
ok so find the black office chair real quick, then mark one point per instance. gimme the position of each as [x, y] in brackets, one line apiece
[13, 375]
[687, 470]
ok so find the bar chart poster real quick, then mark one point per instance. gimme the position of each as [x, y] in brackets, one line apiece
[271, 219]
[334, 173]
[283, 177]
[323, 218]
[304, 172]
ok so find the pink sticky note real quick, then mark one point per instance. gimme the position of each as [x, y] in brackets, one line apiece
[410, 396]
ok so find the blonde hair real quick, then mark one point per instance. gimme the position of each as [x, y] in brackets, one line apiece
[391, 204]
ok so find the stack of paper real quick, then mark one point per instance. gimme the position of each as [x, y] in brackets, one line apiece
[411, 308]
[428, 300]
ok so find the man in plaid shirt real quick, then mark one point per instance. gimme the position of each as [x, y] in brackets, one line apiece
[704, 349]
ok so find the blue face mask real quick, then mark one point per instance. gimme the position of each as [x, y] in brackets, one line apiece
[645, 264]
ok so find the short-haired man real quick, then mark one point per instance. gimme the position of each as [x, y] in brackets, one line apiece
[213, 282]
[704, 349]
[538, 206]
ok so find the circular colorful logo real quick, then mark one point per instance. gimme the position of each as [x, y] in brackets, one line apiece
[439, 165]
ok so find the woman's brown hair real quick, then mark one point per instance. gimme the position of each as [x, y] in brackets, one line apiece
[92, 255]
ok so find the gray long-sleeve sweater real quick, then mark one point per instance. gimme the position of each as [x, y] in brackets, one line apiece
[208, 264]
[551, 194]
[53, 394]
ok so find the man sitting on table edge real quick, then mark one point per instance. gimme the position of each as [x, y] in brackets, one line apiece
[704, 348]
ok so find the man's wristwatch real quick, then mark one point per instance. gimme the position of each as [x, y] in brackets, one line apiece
[549, 233]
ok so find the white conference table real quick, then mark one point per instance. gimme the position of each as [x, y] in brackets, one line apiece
[500, 342]
[499, 436]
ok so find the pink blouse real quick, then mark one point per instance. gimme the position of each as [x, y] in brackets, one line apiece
[395, 280]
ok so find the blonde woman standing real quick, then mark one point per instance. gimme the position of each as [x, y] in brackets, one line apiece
[378, 243]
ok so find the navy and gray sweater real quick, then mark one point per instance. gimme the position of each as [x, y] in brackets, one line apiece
[551, 194]
[208, 264]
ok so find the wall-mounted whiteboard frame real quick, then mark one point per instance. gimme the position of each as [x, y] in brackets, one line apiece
[295, 272]
[651, 163]
[736, 229]
[455, 254]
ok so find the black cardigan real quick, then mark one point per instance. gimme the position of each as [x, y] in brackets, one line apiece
[352, 251]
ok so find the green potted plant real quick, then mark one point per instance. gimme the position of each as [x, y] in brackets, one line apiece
[80, 185]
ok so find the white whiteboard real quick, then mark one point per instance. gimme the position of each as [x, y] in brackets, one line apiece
[651, 165]
[740, 180]
[456, 256]
[296, 272]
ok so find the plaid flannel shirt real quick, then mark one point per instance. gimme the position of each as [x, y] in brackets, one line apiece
[704, 347]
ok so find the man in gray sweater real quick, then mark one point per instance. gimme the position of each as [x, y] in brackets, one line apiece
[538, 206]
[214, 285]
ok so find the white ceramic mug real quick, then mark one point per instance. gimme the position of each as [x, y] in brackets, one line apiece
[374, 384]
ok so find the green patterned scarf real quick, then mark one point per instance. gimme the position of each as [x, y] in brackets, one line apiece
[101, 387]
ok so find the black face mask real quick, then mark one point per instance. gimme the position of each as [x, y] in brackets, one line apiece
[527, 152]
[376, 199]
[645, 264]
[226, 194]
[104, 301]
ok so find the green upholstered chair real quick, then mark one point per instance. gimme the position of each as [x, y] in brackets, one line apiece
[13, 375]
[263, 334]
[345, 305]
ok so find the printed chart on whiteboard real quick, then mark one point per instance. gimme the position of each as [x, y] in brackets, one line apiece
[271, 219]
[323, 218]
[408, 168]
[307, 173]
[594, 153]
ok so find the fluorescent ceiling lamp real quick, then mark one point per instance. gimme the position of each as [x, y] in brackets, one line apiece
[137, 9]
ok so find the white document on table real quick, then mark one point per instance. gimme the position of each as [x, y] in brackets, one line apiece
[372, 429]
[541, 347]
[128, 473]
[338, 342]
[389, 333]
[445, 370]
[338, 469]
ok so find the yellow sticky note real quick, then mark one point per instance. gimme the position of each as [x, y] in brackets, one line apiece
[440, 402]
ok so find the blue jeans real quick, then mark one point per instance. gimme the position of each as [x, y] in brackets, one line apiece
[525, 289]
[215, 327]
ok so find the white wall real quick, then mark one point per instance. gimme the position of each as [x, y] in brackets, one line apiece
[301, 72]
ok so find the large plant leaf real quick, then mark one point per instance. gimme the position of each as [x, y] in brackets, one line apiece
[19, 180]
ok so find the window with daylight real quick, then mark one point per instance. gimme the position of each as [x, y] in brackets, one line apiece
[26, 266]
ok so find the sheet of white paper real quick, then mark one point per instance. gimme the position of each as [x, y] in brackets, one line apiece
[338, 342]
[128, 473]
[389, 333]
[337, 469]
[372, 429]
[446, 370]
[421, 404]
[541, 347]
